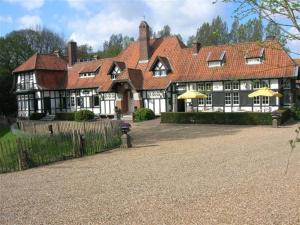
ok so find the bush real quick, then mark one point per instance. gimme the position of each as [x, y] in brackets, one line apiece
[69, 116]
[84, 115]
[143, 114]
[36, 116]
[235, 118]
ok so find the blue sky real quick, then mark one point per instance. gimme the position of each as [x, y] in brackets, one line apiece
[93, 21]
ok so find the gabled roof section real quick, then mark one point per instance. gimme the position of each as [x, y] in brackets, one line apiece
[90, 69]
[121, 65]
[164, 61]
[297, 61]
[215, 55]
[43, 62]
[134, 76]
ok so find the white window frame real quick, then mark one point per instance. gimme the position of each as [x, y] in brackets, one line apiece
[217, 63]
[201, 87]
[265, 83]
[208, 86]
[235, 85]
[236, 98]
[227, 98]
[159, 70]
[256, 100]
[254, 84]
[227, 86]
[209, 99]
[265, 100]
[254, 61]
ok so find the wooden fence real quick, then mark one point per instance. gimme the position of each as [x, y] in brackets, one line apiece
[36, 146]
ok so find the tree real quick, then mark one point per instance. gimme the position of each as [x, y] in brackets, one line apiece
[165, 32]
[42, 40]
[84, 51]
[273, 29]
[234, 33]
[284, 13]
[211, 34]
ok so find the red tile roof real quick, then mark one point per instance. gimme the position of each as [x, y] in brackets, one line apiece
[42, 62]
[185, 65]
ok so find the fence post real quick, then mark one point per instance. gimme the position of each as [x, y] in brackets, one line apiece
[22, 155]
[77, 144]
[50, 129]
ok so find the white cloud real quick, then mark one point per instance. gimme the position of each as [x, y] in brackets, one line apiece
[97, 29]
[103, 18]
[29, 21]
[6, 19]
[28, 4]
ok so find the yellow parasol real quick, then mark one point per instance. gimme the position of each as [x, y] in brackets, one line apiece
[265, 91]
[191, 95]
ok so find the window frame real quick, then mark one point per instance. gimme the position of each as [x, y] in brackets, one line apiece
[228, 99]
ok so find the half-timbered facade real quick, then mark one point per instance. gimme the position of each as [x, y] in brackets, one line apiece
[151, 73]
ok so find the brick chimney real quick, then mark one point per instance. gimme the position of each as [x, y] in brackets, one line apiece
[144, 39]
[72, 53]
[196, 47]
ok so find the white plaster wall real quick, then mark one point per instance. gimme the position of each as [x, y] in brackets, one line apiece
[274, 84]
[136, 96]
[227, 109]
[217, 86]
[246, 108]
[245, 85]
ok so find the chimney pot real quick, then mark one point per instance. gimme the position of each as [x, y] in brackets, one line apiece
[196, 47]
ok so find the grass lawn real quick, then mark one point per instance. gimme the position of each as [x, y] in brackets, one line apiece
[6, 134]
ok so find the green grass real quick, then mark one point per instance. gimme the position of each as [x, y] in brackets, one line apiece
[6, 134]
[42, 149]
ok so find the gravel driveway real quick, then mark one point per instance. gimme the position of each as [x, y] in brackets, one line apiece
[175, 174]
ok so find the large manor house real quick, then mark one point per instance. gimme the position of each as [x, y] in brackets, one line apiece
[151, 73]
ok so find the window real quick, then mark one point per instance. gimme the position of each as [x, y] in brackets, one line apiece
[212, 64]
[227, 98]
[286, 84]
[201, 87]
[159, 70]
[254, 61]
[209, 99]
[256, 100]
[256, 84]
[115, 72]
[96, 100]
[72, 101]
[236, 98]
[79, 101]
[264, 83]
[201, 101]
[265, 100]
[235, 85]
[208, 86]
[89, 74]
[227, 85]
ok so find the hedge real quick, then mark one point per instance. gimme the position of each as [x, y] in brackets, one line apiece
[69, 116]
[143, 114]
[235, 118]
[36, 116]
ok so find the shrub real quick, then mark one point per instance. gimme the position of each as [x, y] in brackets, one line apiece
[84, 115]
[143, 114]
[69, 116]
[236, 118]
[36, 116]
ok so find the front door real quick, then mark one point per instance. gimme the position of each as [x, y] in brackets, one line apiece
[47, 105]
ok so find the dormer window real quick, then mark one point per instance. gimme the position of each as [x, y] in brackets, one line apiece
[89, 72]
[161, 67]
[116, 69]
[159, 70]
[215, 59]
[115, 72]
[255, 57]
